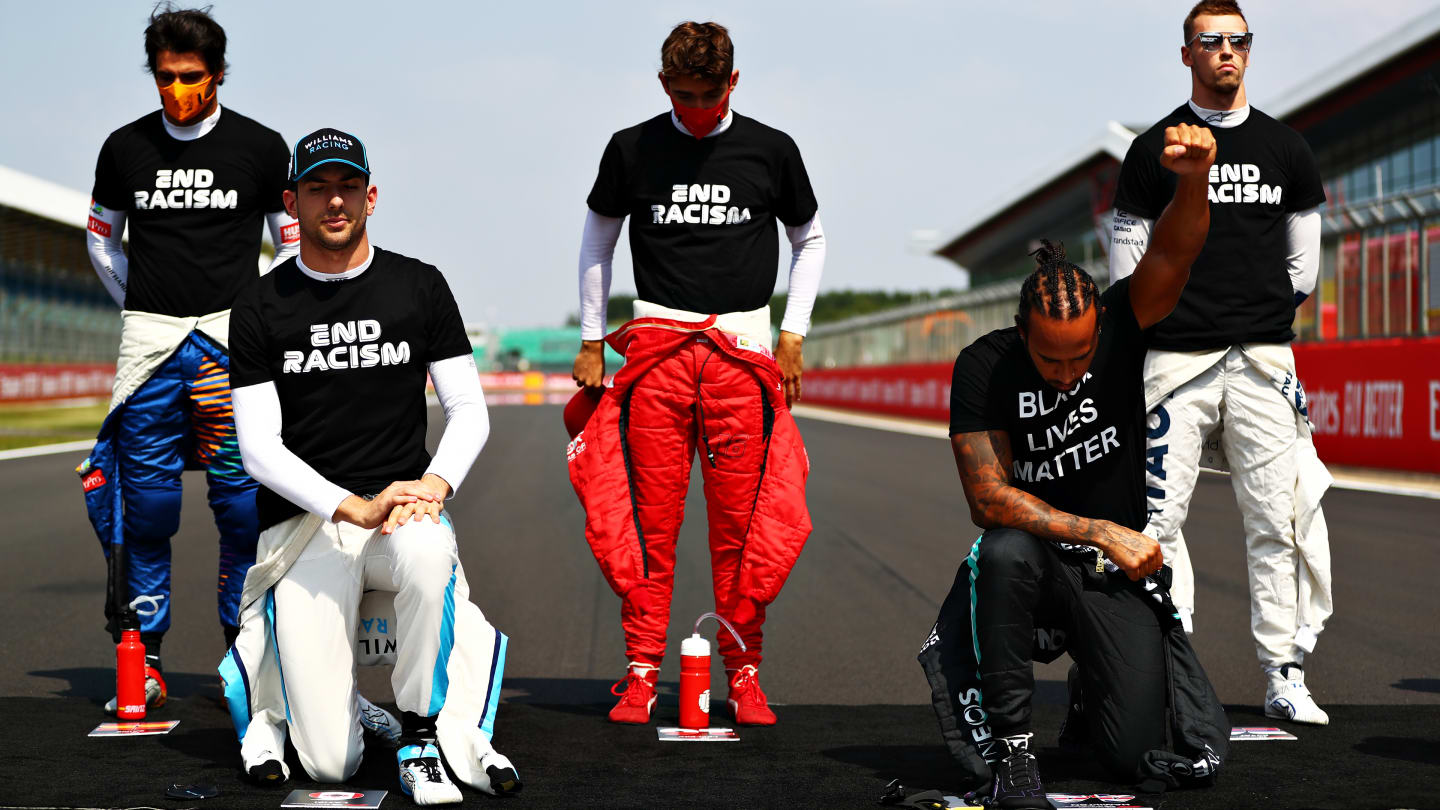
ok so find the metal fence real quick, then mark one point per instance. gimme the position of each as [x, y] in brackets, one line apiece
[927, 332]
[53, 309]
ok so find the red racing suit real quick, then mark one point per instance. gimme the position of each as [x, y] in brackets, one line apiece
[688, 386]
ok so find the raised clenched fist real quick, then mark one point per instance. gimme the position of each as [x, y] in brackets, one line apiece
[1189, 150]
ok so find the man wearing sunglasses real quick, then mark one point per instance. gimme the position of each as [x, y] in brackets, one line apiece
[195, 182]
[1223, 356]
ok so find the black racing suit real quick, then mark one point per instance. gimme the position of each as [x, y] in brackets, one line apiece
[1150, 712]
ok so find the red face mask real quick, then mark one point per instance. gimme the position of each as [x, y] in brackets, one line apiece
[701, 121]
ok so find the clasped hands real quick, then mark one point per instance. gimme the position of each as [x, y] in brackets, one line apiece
[397, 504]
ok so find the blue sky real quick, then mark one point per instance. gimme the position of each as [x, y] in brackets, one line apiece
[485, 121]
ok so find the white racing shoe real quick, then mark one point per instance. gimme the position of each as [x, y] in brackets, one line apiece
[1286, 698]
[498, 777]
[379, 722]
[423, 777]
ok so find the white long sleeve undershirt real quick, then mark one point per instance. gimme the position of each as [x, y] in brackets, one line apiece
[807, 265]
[284, 235]
[1130, 235]
[467, 420]
[1302, 252]
[258, 423]
[107, 252]
[597, 254]
[257, 428]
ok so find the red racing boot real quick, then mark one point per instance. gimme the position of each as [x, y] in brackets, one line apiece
[747, 700]
[638, 696]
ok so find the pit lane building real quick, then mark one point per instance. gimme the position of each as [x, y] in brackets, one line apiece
[1369, 338]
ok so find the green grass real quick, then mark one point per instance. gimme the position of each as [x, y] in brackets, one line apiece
[29, 425]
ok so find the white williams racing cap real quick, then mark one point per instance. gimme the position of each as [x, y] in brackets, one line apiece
[328, 146]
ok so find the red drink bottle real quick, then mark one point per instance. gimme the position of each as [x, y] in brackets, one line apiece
[695, 682]
[130, 669]
[695, 674]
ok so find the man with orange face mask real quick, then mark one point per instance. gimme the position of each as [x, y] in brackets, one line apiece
[194, 182]
[703, 187]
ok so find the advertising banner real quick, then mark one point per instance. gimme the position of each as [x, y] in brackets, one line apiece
[1373, 403]
[36, 383]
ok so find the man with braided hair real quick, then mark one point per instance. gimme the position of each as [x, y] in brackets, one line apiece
[1047, 422]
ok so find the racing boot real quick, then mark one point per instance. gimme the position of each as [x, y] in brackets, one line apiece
[379, 722]
[423, 777]
[1015, 784]
[638, 696]
[747, 701]
[500, 777]
[267, 773]
[155, 691]
[1286, 697]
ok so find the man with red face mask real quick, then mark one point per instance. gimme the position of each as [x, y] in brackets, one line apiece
[702, 186]
[195, 182]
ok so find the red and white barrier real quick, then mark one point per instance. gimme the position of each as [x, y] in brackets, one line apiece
[37, 383]
[918, 390]
[1373, 403]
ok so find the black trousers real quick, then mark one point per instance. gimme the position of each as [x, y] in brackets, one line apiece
[1018, 599]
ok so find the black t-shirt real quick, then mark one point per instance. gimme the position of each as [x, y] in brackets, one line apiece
[702, 212]
[196, 208]
[1081, 452]
[348, 359]
[1239, 289]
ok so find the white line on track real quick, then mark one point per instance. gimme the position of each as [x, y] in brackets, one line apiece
[918, 428]
[893, 425]
[912, 427]
[46, 450]
[86, 444]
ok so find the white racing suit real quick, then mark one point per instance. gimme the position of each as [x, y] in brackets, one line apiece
[303, 618]
[1265, 444]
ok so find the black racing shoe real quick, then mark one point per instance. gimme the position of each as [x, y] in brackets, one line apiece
[504, 780]
[1016, 778]
[267, 774]
[1074, 732]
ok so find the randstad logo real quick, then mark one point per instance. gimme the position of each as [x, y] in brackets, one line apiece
[328, 141]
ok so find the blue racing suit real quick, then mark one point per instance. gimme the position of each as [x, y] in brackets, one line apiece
[179, 418]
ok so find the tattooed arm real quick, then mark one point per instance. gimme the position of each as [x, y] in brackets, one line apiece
[984, 461]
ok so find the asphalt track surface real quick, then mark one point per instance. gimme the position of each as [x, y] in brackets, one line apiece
[890, 529]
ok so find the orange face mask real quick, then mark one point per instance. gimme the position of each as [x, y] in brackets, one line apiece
[183, 101]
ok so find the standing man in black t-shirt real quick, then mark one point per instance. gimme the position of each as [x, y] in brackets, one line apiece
[332, 350]
[703, 187]
[1223, 355]
[196, 182]
[1047, 423]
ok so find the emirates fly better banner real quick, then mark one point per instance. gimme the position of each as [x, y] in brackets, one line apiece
[1373, 403]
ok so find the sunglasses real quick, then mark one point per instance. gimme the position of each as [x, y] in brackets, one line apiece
[1210, 41]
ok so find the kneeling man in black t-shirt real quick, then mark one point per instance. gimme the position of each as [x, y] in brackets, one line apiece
[1047, 421]
[330, 354]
